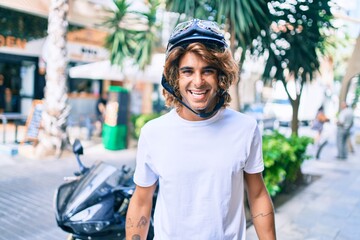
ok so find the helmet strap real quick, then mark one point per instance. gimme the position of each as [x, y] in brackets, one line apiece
[219, 104]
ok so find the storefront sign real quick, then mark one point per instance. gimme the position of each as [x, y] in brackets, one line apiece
[87, 45]
[12, 42]
[88, 36]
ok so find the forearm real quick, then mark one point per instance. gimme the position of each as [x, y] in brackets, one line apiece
[139, 212]
[262, 213]
[137, 220]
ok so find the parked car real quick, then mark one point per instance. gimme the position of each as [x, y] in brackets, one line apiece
[281, 109]
[265, 121]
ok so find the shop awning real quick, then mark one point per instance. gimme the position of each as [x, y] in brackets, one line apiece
[105, 71]
[37, 7]
[80, 12]
[98, 70]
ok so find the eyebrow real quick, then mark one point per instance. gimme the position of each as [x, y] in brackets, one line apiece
[191, 68]
[185, 68]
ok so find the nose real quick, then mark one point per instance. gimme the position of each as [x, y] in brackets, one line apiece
[198, 79]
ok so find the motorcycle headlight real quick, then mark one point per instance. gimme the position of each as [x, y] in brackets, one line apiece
[89, 227]
[82, 223]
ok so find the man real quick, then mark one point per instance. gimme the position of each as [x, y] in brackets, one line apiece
[344, 124]
[201, 154]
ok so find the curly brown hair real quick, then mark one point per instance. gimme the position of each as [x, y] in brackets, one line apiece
[221, 59]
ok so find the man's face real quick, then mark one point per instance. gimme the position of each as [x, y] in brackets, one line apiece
[198, 85]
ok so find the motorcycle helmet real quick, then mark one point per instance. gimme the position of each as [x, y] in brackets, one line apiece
[196, 30]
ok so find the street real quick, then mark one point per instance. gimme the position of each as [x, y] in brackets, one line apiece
[27, 189]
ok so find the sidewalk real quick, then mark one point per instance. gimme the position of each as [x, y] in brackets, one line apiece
[93, 150]
[28, 184]
[329, 207]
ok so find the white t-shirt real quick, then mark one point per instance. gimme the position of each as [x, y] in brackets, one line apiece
[199, 166]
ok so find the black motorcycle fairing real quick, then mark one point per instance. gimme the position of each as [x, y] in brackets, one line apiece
[62, 195]
[89, 206]
[95, 185]
[94, 204]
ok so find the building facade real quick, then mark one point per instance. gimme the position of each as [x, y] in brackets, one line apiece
[23, 51]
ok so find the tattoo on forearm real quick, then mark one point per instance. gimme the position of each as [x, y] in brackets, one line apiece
[135, 237]
[129, 223]
[263, 215]
[142, 222]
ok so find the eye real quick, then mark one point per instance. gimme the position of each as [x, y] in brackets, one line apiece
[186, 72]
[209, 71]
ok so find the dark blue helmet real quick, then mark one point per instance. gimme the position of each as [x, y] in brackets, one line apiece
[195, 30]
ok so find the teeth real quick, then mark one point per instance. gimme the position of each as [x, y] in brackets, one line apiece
[197, 93]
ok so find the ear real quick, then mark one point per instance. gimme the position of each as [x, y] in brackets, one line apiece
[222, 81]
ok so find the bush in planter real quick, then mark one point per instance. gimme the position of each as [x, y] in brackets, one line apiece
[299, 145]
[139, 121]
[282, 159]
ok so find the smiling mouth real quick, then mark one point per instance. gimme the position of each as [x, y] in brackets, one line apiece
[198, 93]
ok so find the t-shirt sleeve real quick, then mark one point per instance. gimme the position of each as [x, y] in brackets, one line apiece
[144, 174]
[254, 162]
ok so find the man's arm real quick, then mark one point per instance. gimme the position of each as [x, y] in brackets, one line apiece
[262, 210]
[138, 214]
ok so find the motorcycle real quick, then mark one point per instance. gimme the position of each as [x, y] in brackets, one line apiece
[93, 203]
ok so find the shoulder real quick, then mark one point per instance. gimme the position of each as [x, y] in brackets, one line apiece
[158, 123]
[237, 122]
[239, 117]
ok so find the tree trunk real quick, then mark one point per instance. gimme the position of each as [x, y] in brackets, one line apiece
[295, 120]
[56, 108]
[295, 103]
[352, 69]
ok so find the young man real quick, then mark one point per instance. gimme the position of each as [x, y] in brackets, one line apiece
[201, 154]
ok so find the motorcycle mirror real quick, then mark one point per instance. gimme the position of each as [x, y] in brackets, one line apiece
[77, 147]
[78, 150]
[125, 169]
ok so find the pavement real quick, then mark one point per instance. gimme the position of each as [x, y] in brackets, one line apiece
[28, 184]
[327, 207]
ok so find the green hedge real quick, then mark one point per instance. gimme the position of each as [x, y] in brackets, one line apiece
[138, 121]
[283, 157]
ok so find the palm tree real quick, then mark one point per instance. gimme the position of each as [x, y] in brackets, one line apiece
[299, 31]
[245, 20]
[134, 34]
[55, 105]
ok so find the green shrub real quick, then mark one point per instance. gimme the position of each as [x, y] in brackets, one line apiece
[139, 121]
[282, 159]
[299, 145]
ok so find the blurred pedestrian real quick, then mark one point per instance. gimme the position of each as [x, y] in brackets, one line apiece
[318, 126]
[351, 133]
[2, 93]
[318, 123]
[100, 112]
[8, 100]
[200, 154]
[344, 123]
